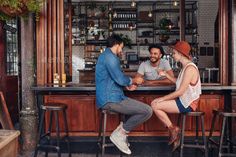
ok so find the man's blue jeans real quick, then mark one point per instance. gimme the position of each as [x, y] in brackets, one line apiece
[137, 111]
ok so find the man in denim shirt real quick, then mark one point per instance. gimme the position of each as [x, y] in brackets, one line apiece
[110, 81]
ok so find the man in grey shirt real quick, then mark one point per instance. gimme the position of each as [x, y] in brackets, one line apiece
[149, 70]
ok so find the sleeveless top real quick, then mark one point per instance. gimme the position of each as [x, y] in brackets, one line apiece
[191, 96]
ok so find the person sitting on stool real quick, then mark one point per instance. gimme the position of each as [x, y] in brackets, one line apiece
[110, 81]
[186, 96]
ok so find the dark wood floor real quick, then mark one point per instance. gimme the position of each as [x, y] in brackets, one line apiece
[140, 147]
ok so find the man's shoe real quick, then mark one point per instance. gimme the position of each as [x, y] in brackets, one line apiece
[120, 140]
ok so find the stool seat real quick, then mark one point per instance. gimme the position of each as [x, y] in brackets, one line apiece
[194, 113]
[203, 146]
[54, 106]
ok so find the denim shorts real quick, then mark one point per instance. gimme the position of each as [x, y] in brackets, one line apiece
[181, 107]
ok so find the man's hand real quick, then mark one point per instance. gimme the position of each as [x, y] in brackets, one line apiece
[161, 72]
[131, 87]
[138, 80]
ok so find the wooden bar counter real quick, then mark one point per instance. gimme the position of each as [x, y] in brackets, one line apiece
[83, 116]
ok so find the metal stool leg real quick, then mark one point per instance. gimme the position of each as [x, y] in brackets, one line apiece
[67, 132]
[40, 132]
[197, 135]
[215, 114]
[222, 137]
[58, 134]
[204, 137]
[49, 131]
[104, 133]
[182, 136]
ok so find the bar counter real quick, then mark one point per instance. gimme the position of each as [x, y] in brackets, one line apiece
[83, 116]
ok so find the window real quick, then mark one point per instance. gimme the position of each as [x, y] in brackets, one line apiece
[11, 47]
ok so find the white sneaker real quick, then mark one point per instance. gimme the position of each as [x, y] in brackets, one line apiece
[120, 140]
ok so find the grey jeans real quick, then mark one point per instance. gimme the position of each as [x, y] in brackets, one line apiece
[137, 112]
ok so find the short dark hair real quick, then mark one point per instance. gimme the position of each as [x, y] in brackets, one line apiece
[113, 40]
[157, 47]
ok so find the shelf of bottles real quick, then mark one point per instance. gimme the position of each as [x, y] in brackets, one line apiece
[124, 19]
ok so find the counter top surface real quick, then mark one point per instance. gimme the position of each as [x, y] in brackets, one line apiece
[91, 87]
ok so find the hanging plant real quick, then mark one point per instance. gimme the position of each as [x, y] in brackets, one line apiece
[165, 27]
[12, 8]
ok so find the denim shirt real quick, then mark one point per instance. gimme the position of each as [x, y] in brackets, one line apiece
[110, 79]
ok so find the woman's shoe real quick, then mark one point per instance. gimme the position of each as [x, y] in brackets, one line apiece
[174, 132]
[176, 143]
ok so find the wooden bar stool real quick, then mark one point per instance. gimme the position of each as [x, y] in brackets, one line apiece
[196, 142]
[45, 139]
[225, 132]
[102, 141]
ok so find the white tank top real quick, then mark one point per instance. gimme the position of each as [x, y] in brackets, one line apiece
[193, 92]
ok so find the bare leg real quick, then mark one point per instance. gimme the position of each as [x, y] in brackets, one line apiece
[162, 108]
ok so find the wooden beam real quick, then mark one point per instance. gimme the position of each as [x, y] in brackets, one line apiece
[49, 42]
[61, 38]
[223, 41]
[41, 46]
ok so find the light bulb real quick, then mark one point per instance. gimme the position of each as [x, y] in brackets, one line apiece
[150, 14]
[114, 14]
[133, 4]
[175, 3]
[101, 49]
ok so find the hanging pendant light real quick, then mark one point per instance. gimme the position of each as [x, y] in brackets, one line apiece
[175, 3]
[133, 4]
[150, 13]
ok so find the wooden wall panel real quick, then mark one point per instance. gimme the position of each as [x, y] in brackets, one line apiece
[41, 46]
[83, 117]
[50, 41]
[207, 104]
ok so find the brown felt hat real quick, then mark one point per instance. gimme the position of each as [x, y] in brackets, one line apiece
[182, 47]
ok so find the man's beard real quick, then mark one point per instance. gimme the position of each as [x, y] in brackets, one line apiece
[152, 61]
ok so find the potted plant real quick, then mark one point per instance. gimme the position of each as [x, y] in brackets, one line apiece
[13, 8]
[91, 7]
[127, 41]
[103, 9]
[165, 26]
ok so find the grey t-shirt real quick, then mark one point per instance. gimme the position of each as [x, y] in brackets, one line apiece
[150, 72]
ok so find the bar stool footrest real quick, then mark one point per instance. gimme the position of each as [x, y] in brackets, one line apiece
[193, 146]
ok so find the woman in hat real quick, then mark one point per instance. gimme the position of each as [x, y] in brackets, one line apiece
[186, 96]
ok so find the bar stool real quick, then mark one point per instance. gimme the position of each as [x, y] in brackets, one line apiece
[102, 142]
[196, 142]
[226, 116]
[52, 108]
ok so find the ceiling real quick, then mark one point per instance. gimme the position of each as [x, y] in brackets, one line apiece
[121, 0]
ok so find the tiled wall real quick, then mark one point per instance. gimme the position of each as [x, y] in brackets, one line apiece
[206, 19]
